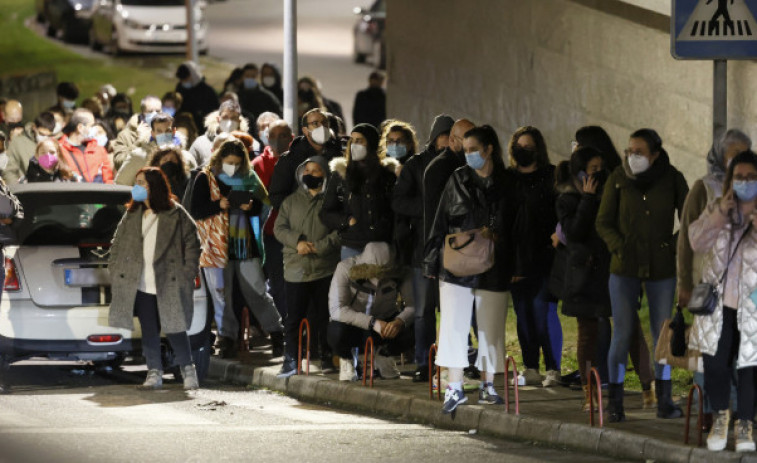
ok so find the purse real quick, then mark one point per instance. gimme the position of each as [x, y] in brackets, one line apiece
[704, 296]
[469, 252]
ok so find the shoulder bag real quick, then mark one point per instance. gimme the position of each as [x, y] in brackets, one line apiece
[469, 252]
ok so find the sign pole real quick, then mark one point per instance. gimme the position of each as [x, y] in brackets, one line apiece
[290, 64]
[719, 98]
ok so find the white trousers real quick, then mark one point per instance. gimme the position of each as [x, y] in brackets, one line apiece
[456, 305]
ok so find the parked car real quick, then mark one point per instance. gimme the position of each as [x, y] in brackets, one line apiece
[71, 17]
[56, 293]
[368, 34]
[145, 26]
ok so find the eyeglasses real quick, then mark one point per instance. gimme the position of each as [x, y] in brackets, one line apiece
[317, 123]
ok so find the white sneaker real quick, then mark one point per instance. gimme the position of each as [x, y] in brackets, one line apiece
[530, 377]
[154, 380]
[346, 370]
[386, 367]
[552, 378]
[718, 436]
[744, 440]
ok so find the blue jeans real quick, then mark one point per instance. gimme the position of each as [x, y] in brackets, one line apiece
[425, 319]
[625, 300]
[533, 311]
[348, 252]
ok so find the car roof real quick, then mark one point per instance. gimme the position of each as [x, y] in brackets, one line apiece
[68, 187]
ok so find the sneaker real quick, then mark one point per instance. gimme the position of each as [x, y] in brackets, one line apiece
[154, 380]
[552, 379]
[421, 374]
[530, 377]
[718, 436]
[485, 398]
[288, 368]
[189, 373]
[386, 367]
[744, 441]
[453, 398]
[346, 370]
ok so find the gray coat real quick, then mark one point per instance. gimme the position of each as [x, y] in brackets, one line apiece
[176, 263]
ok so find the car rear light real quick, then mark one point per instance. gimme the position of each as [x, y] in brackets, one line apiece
[12, 284]
[104, 338]
[197, 281]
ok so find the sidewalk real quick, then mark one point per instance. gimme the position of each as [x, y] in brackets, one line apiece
[550, 416]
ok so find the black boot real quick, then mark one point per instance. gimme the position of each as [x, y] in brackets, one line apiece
[665, 407]
[277, 344]
[617, 414]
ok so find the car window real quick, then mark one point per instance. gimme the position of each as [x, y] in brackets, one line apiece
[69, 218]
[153, 2]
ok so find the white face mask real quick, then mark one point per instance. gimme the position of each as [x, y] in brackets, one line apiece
[358, 152]
[41, 138]
[269, 81]
[229, 169]
[321, 135]
[638, 163]
[228, 125]
[3, 160]
[58, 127]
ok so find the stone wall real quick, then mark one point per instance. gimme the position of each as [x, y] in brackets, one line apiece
[557, 65]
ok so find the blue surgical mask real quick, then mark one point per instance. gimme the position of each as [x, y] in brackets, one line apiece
[397, 151]
[164, 139]
[474, 160]
[170, 111]
[186, 84]
[264, 136]
[69, 104]
[250, 83]
[149, 117]
[746, 190]
[139, 193]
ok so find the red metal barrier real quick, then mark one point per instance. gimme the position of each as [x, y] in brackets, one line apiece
[595, 381]
[306, 324]
[508, 361]
[434, 370]
[244, 344]
[368, 343]
[694, 387]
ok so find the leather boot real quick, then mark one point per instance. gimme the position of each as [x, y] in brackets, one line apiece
[665, 407]
[617, 413]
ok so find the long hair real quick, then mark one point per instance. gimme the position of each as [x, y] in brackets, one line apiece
[159, 194]
[487, 136]
[157, 156]
[745, 157]
[542, 158]
[408, 133]
[231, 147]
[594, 136]
[62, 167]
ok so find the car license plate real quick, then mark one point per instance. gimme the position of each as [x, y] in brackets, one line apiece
[86, 277]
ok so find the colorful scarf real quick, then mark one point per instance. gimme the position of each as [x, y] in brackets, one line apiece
[243, 230]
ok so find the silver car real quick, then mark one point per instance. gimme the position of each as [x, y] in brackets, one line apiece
[56, 293]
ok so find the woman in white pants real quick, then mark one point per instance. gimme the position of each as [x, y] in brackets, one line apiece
[479, 194]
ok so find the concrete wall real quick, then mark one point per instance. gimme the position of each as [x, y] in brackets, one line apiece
[557, 65]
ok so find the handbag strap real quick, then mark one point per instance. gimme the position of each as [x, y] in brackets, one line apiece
[727, 264]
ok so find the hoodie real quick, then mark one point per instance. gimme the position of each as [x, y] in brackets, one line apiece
[202, 148]
[199, 99]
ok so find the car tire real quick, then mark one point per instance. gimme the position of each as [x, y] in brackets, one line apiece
[93, 43]
[113, 47]
[69, 34]
[114, 364]
[51, 31]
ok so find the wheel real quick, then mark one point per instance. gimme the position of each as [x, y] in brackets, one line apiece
[93, 43]
[204, 52]
[113, 364]
[69, 33]
[114, 50]
[51, 31]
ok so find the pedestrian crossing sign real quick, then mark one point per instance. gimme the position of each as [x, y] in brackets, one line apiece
[714, 29]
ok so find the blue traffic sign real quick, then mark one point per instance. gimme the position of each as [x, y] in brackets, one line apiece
[713, 29]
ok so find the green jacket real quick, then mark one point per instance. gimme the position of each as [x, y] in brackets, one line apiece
[636, 219]
[298, 220]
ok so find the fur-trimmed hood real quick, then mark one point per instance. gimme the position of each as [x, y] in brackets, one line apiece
[340, 165]
[566, 187]
[212, 123]
[376, 262]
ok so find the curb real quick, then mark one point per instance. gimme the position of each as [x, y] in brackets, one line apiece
[353, 396]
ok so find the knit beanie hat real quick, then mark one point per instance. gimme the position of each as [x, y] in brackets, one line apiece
[442, 123]
[371, 135]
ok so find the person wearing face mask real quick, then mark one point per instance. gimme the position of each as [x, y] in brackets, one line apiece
[310, 253]
[160, 134]
[537, 321]
[584, 293]
[262, 125]
[170, 160]
[46, 165]
[227, 119]
[170, 103]
[359, 194]
[21, 149]
[198, 98]
[232, 251]
[703, 192]
[477, 195]
[636, 219]
[270, 78]
[725, 233]
[253, 97]
[82, 153]
[66, 94]
[398, 141]
[136, 131]
[153, 261]
[317, 140]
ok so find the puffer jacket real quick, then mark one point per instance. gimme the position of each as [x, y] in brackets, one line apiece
[711, 233]
[465, 205]
[298, 221]
[202, 148]
[636, 216]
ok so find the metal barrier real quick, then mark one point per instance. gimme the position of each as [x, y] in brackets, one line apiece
[595, 381]
[244, 345]
[306, 324]
[694, 387]
[434, 370]
[509, 360]
[368, 343]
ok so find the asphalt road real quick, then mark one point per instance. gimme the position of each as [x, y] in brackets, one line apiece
[67, 413]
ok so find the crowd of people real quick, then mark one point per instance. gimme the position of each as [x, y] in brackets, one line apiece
[371, 233]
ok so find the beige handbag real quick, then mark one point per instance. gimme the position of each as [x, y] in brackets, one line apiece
[468, 253]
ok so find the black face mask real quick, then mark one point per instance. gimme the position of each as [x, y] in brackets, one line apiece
[524, 157]
[171, 169]
[306, 95]
[312, 182]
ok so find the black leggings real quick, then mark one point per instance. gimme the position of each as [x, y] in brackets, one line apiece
[146, 310]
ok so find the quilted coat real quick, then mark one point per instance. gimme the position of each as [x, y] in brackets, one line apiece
[711, 233]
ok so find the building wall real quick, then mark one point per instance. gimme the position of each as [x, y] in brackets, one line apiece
[557, 65]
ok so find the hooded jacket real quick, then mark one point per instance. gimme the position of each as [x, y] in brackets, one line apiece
[636, 217]
[200, 99]
[371, 283]
[20, 150]
[259, 100]
[371, 206]
[202, 148]
[93, 165]
[298, 221]
[123, 144]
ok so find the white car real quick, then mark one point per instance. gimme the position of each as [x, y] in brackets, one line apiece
[56, 293]
[145, 26]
